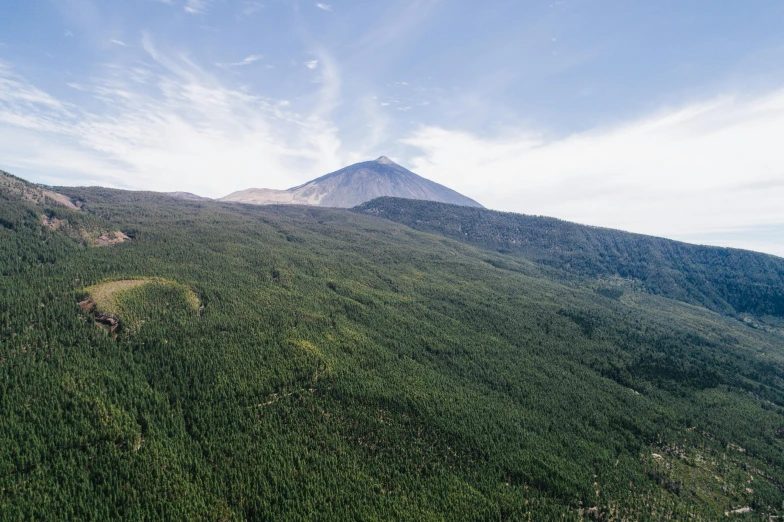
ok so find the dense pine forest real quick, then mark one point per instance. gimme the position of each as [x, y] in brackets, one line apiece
[163, 359]
[726, 280]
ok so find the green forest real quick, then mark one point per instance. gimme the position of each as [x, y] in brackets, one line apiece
[163, 359]
[725, 280]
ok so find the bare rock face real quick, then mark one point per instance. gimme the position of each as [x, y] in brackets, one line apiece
[355, 185]
[385, 161]
[105, 320]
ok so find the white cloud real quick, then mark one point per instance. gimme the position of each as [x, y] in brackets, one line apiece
[708, 167]
[248, 60]
[251, 59]
[324, 7]
[252, 7]
[15, 92]
[119, 42]
[195, 6]
[182, 129]
[312, 64]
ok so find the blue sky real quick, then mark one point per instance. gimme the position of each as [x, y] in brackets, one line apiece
[658, 117]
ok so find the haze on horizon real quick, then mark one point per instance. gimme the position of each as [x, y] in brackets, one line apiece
[661, 118]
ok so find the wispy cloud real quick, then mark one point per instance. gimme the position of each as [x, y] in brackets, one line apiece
[190, 6]
[195, 6]
[251, 8]
[703, 168]
[324, 7]
[251, 59]
[396, 25]
[17, 93]
[312, 64]
[183, 129]
[248, 60]
[119, 42]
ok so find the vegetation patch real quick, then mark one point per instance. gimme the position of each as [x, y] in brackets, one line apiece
[111, 238]
[130, 303]
[82, 228]
[52, 222]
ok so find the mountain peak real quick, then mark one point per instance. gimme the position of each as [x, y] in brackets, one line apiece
[356, 184]
[385, 161]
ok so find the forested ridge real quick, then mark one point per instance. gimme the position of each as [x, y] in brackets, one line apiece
[339, 366]
[725, 280]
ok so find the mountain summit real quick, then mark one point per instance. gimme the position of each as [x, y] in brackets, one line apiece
[354, 185]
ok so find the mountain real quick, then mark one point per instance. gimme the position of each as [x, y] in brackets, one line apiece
[726, 280]
[238, 362]
[354, 185]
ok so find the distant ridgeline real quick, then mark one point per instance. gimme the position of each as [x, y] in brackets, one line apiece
[725, 280]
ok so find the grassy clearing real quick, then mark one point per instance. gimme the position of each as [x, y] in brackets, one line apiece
[108, 296]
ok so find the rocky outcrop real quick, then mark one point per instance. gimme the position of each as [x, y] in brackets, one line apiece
[109, 322]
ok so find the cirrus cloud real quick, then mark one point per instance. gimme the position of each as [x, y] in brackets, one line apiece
[167, 125]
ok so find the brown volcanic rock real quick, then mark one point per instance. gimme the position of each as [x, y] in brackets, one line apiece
[355, 185]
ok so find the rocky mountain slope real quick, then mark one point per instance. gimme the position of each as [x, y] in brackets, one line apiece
[355, 185]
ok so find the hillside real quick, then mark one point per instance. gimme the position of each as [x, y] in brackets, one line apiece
[28, 204]
[14, 188]
[725, 280]
[356, 184]
[305, 363]
[186, 195]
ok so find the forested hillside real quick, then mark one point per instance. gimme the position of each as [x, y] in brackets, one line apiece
[304, 363]
[725, 280]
